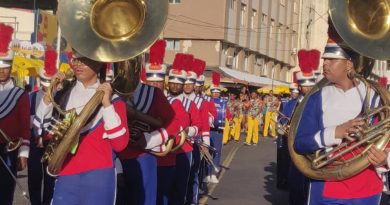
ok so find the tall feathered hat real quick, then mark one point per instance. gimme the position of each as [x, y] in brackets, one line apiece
[336, 48]
[109, 72]
[176, 73]
[198, 67]
[216, 81]
[49, 70]
[155, 69]
[6, 54]
[188, 65]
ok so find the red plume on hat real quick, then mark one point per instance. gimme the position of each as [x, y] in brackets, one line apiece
[309, 60]
[198, 66]
[188, 61]
[5, 38]
[157, 52]
[332, 32]
[50, 62]
[216, 78]
[178, 61]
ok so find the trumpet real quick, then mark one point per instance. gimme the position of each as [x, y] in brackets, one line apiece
[282, 123]
[12, 145]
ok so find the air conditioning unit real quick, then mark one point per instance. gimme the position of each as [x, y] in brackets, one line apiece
[229, 60]
[260, 61]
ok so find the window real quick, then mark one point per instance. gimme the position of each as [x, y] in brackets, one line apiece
[264, 19]
[271, 28]
[173, 45]
[246, 68]
[233, 4]
[279, 34]
[174, 1]
[295, 7]
[243, 15]
[253, 18]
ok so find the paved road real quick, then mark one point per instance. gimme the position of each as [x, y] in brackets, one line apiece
[248, 177]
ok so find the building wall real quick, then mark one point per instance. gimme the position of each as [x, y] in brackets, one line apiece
[21, 20]
[252, 36]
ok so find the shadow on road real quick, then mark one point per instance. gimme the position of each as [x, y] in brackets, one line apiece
[273, 195]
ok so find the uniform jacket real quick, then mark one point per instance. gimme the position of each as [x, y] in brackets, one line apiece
[14, 115]
[104, 133]
[325, 110]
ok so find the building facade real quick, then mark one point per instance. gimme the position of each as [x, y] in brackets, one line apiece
[259, 37]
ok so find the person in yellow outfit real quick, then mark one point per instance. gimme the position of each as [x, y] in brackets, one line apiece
[233, 126]
[270, 115]
[254, 117]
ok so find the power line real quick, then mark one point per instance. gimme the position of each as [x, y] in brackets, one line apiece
[231, 28]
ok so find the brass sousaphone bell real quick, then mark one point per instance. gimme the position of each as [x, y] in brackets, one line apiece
[364, 26]
[116, 31]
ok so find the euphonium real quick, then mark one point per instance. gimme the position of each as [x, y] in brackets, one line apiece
[356, 22]
[11, 145]
[106, 31]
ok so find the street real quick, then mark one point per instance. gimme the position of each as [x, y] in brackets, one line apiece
[248, 177]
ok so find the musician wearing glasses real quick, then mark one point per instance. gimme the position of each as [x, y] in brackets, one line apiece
[331, 117]
[88, 176]
[14, 122]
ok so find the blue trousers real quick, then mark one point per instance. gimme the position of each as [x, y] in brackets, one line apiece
[7, 183]
[87, 188]
[141, 178]
[216, 142]
[316, 197]
[165, 183]
[298, 186]
[194, 181]
[183, 170]
[37, 173]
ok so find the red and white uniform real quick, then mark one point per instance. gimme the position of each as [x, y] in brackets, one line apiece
[203, 108]
[151, 101]
[15, 115]
[194, 124]
[181, 116]
[106, 132]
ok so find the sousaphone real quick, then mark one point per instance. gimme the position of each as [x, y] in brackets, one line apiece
[106, 31]
[364, 26]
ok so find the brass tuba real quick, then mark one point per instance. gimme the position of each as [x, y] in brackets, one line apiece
[116, 31]
[363, 26]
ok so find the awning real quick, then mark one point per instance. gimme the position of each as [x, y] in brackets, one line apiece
[235, 76]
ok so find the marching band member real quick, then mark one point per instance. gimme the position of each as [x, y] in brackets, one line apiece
[140, 166]
[155, 76]
[104, 132]
[37, 175]
[184, 182]
[297, 182]
[199, 66]
[329, 117]
[14, 120]
[216, 132]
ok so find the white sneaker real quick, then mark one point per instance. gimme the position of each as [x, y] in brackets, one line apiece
[206, 179]
[214, 179]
